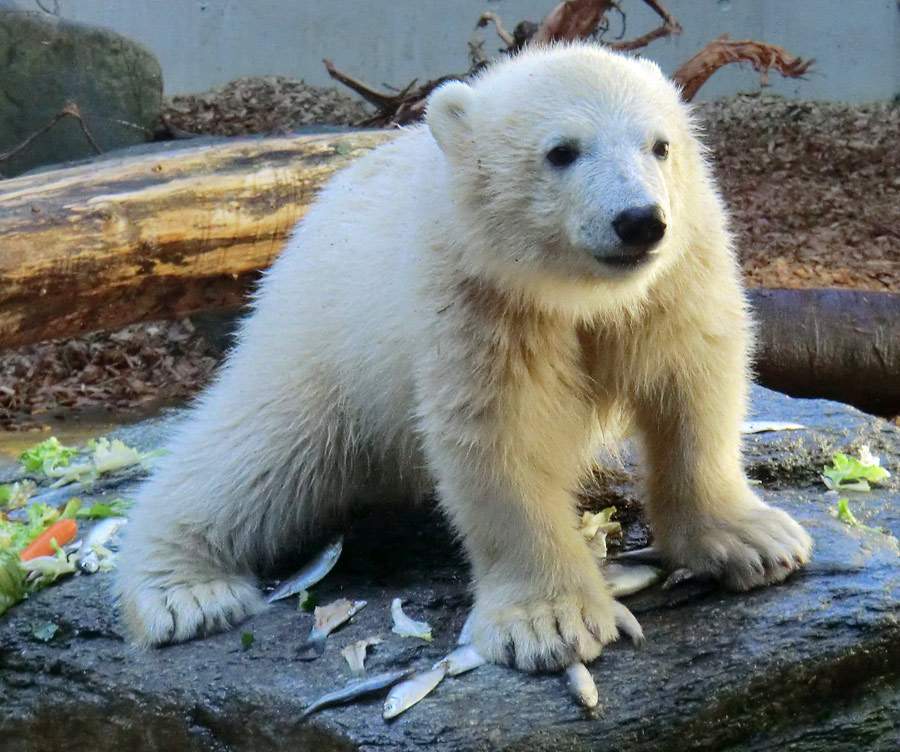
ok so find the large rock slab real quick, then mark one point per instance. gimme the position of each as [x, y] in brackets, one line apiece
[115, 82]
[813, 664]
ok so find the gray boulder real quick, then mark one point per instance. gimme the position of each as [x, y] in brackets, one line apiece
[813, 664]
[115, 82]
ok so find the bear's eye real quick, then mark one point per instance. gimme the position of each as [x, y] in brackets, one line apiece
[661, 149]
[562, 155]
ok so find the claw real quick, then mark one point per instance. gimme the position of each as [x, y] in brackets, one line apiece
[627, 623]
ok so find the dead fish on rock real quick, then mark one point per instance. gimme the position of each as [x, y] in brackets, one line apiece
[627, 579]
[406, 627]
[356, 688]
[355, 653]
[327, 619]
[646, 555]
[407, 693]
[461, 660]
[581, 685]
[93, 547]
[314, 571]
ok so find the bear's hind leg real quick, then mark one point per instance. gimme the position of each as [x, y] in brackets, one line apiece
[245, 481]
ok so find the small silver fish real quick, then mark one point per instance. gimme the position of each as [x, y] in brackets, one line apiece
[314, 571]
[356, 688]
[465, 634]
[87, 558]
[581, 685]
[626, 579]
[406, 694]
[646, 555]
[464, 658]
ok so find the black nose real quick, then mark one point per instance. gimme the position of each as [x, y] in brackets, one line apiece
[641, 226]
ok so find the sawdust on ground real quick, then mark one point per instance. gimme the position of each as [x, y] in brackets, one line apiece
[813, 188]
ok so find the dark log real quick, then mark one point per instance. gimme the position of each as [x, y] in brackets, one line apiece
[835, 344]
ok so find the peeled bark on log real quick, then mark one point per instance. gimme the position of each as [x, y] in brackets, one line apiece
[159, 235]
[834, 344]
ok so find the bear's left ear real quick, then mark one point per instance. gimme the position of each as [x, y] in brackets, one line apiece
[447, 115]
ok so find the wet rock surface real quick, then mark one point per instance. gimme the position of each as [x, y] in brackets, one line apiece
[813, 664]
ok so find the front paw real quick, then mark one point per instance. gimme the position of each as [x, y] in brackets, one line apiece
[156, 614]
[760, 546]
[544, 634]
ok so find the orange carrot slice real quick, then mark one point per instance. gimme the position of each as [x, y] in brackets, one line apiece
[61, 531]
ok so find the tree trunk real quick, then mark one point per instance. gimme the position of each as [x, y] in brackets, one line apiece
[158, 235]
[836, 344]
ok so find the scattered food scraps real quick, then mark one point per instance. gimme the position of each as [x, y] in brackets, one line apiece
[844, 514]
[12, 580]
[93, 550]
[44, 631]
[47, 456]
[327, 619]
[102, 456]
[461, 660]
[59, 533]
[16, 495]
[581, 685]
[406, 627]
[410, 691]
[852, 474]
[764, 426]
[246, 640]
[306, 601]
[355, 653]
[627, 579]
[357, 688]
[314, 571]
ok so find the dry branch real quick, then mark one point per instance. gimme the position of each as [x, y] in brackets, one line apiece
[573, 19]
[580, 19]
[764, 57]
[70, 109]
[154, 236]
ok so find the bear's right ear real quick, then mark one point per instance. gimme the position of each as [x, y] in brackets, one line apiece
[447, 117]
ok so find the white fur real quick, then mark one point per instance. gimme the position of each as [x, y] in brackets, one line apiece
[440, 319]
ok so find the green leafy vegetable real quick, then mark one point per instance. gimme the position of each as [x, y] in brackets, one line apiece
[100, 511]
[246, 640]
[306, 601]
[16, 495]
[46, 456]
[846, 516]
[12, 580]
[852, 474]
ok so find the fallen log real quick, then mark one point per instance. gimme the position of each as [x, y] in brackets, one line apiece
[834, 344]
[159, 235]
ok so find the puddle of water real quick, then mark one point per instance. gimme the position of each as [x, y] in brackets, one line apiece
[74, 430]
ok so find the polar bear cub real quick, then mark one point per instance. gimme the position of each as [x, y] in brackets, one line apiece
[472, 310]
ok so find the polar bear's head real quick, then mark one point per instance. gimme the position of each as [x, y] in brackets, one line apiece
[571, 166]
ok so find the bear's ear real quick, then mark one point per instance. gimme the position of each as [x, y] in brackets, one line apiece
[447, 116]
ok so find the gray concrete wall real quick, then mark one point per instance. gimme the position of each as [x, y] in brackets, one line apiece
[205, 43]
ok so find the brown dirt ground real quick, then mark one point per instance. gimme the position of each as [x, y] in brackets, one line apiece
[813, 188]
